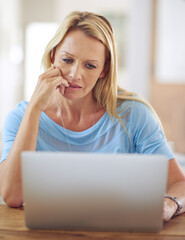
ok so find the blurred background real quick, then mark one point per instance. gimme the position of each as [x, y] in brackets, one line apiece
[150, 38]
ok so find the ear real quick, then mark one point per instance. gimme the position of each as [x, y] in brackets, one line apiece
[102, 75]
[105, 70]
[52, 57]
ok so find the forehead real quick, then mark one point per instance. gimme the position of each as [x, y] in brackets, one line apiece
[77, 42]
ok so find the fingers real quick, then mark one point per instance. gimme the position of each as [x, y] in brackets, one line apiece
[46, 87]
[53, 77]
[63, 83]
[51, 72]
[62, 89]
[56, 82]
[60, 71]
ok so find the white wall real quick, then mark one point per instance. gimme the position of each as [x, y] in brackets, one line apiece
[11, 77]
[170, 39]
[139, 52]
[64, 7]
[14, 17]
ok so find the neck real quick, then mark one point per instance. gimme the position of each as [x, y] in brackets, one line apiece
[76, 110]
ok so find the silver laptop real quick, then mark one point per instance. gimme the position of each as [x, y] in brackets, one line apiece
[94, 191]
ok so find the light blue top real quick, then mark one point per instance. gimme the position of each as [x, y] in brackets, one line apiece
[107, 135]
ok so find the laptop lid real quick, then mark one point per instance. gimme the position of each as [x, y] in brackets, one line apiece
[92, 191]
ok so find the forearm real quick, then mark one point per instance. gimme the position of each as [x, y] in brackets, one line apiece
[26, 139]
[10, 175]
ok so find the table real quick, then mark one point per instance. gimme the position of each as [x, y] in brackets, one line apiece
[12, 227]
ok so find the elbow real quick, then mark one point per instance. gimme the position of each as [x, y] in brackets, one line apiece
[12, 200]
[14, 204]
[10, 190]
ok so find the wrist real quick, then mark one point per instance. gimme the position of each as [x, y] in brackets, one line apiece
[174, 203]
[33, 108]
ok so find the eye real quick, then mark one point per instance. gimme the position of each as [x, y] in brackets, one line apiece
[90, 66]
[67, 60]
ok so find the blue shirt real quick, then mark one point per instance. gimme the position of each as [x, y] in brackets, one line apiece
[107, 135]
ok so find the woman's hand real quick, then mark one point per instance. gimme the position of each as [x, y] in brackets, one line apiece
[169, 209]
[47, 86]
[175, 188]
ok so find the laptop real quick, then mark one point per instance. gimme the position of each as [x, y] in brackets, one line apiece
[94, 191]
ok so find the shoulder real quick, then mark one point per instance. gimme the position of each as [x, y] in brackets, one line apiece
[134, 107]
[21, 106]
[131, 101]
[137, 113]
[17, 113]
[141, 109]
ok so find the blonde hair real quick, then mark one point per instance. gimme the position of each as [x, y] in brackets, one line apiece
[106, 91]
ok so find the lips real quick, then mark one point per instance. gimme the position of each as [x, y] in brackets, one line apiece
[72, 85]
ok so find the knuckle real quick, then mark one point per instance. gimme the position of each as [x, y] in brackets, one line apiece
[48, 82]
[41, 77]
[58, 71]
[45, 81]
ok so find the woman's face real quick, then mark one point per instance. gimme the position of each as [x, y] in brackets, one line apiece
[81, 60]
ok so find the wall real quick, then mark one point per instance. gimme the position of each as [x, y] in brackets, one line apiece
[11, 55]
[169, 102]
[139, 52]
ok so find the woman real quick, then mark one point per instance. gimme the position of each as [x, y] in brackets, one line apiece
[77, 106]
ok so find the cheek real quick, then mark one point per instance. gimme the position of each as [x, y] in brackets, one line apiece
[63, 67]
[93, 74]
[91, 80]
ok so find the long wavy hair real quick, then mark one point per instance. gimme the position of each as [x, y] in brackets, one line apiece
[106, 91]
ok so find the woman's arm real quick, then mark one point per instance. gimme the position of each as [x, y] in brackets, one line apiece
[26, 138]
[175, 188]
[10, 169]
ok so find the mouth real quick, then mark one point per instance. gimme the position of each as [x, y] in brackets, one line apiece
[72, 85]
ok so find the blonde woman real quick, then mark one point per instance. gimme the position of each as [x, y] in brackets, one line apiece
[78, 106]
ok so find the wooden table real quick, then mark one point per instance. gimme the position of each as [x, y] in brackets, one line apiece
[12, 227]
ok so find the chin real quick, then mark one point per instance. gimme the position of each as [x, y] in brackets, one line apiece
[74, 95]
[71, 97]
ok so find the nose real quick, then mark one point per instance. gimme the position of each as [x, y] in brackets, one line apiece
[75, 72]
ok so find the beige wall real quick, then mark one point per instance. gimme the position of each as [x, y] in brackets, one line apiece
[169, 102]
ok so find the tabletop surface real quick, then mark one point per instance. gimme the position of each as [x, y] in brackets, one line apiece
[12, 226]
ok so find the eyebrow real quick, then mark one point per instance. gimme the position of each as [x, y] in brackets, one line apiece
[74, 56]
